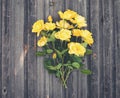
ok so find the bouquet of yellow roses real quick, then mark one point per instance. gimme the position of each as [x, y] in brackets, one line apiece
[64, 43]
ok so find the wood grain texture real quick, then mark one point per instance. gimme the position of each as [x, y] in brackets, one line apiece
[108, 46]
[23, 75]
[117, 46]
[31, 63]
[5, 49]
[18, 48]
[94, 59]
[40, 7]
[0, 48]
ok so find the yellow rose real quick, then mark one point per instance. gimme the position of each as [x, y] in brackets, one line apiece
[50, 18]
[69, 14]
[80, 21]
[63, 24]
[63, 34]
[42, 41]
[54, 56]
[76, 48]
[87, 36]
[50, 26]
[38, 26]
[76, 32]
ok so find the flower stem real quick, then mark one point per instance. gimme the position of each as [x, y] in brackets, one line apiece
[64, 82]
[67, 75]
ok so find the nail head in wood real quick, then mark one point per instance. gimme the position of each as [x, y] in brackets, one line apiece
[52, 3]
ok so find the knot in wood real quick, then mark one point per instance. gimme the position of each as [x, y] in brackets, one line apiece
[4, 91]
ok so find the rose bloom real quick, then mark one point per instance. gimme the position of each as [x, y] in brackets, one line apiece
[69, 14]
[50, 18]
[80, 21]
[42, 41]
[63, 24]
[87, 36]
[50, 26]
[38, 26]
[63, 34]
[76, 32]
[76, 48]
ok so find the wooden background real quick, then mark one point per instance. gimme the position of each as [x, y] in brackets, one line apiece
[22, 74]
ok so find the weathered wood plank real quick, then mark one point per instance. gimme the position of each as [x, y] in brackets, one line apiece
[18, 48]
[1, 48]
[12, 49]
[114, 57]
[82, 79]
[40, 68]
[101, 67]
[117, 44]
[26, 47]
[11, 87]
[107, 46]
[31, 57]
[93, 61]
[5, 49]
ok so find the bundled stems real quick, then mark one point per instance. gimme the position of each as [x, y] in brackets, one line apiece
[65, 76]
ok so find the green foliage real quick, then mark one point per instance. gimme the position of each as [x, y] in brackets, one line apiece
[76, 65]
[86, 71]
[54, 68]
[84, 44]
[51, 38]
[49, 51]
[58, 74]
[40, 53]
[76, 58]
[88, 51]
[58, 53]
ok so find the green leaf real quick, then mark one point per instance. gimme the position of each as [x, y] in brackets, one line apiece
[55, 68]
[64, 51]
[43, 33]
[66, 64]
[52, 37]
[49, 51]
[84, 44]
[76, 59]
[70, 67]
[86, 71]
[40, 53]
[59, 53]
[58, 74]
[88, 51]
[47, 62]
[76, 65]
